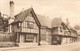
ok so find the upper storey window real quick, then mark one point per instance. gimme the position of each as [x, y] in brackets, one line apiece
[30, 21]
[30, 18]
[30, 25]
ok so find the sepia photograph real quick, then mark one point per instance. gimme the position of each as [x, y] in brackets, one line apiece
[39, 25]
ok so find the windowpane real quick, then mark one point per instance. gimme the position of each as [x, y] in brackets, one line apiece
[30, 25]
[29, 37]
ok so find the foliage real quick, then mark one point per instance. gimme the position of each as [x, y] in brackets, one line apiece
[77, 27]
[3, 24]
[7, 37]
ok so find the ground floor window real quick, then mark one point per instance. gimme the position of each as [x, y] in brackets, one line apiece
[29, 37]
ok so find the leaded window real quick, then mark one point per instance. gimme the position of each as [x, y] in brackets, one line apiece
[30, 25]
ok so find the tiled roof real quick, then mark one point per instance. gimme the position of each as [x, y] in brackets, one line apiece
[21, 16]
[73, 32]
[56, 22]
[45, 21]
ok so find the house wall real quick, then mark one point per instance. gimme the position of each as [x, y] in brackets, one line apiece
[66, 40]
[55, 30]
[15, 28]
[27, 31]
[29, 25]
[78, 39]
[58, 30]
[45, 36]
[48, 36]
[30, 28]
[62, 33]
[74, 37]
[25, 28]
[62, 30]
[73, 34]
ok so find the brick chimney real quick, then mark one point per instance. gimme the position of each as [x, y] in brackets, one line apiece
[11, 12]
[11, 19]
[11, 9]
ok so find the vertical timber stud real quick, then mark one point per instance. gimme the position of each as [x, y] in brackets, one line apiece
[39, 37]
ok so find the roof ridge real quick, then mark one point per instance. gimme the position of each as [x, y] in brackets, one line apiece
[23, 11]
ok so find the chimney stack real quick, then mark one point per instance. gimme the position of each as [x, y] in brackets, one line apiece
[11, 19]
[11, 9]
[67, 22]
[11, 12]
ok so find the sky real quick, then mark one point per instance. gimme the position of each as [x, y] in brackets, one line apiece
[50, 8]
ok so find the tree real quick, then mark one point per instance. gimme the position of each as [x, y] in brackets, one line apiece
[77, 27]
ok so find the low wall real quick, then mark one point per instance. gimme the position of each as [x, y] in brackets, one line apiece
[7, 40]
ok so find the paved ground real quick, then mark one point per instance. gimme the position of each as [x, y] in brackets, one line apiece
[65, 47]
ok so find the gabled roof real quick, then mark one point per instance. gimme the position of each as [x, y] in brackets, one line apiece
[45, 21]
[56, 22]
[73, 30]
[22, 15]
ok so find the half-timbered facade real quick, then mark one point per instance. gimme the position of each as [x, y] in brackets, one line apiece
[26, 27]
[45, 29]
[30, 27]
[74, 35]
[60, 32]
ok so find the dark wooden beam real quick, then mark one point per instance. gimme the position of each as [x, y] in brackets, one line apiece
[39, 37]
